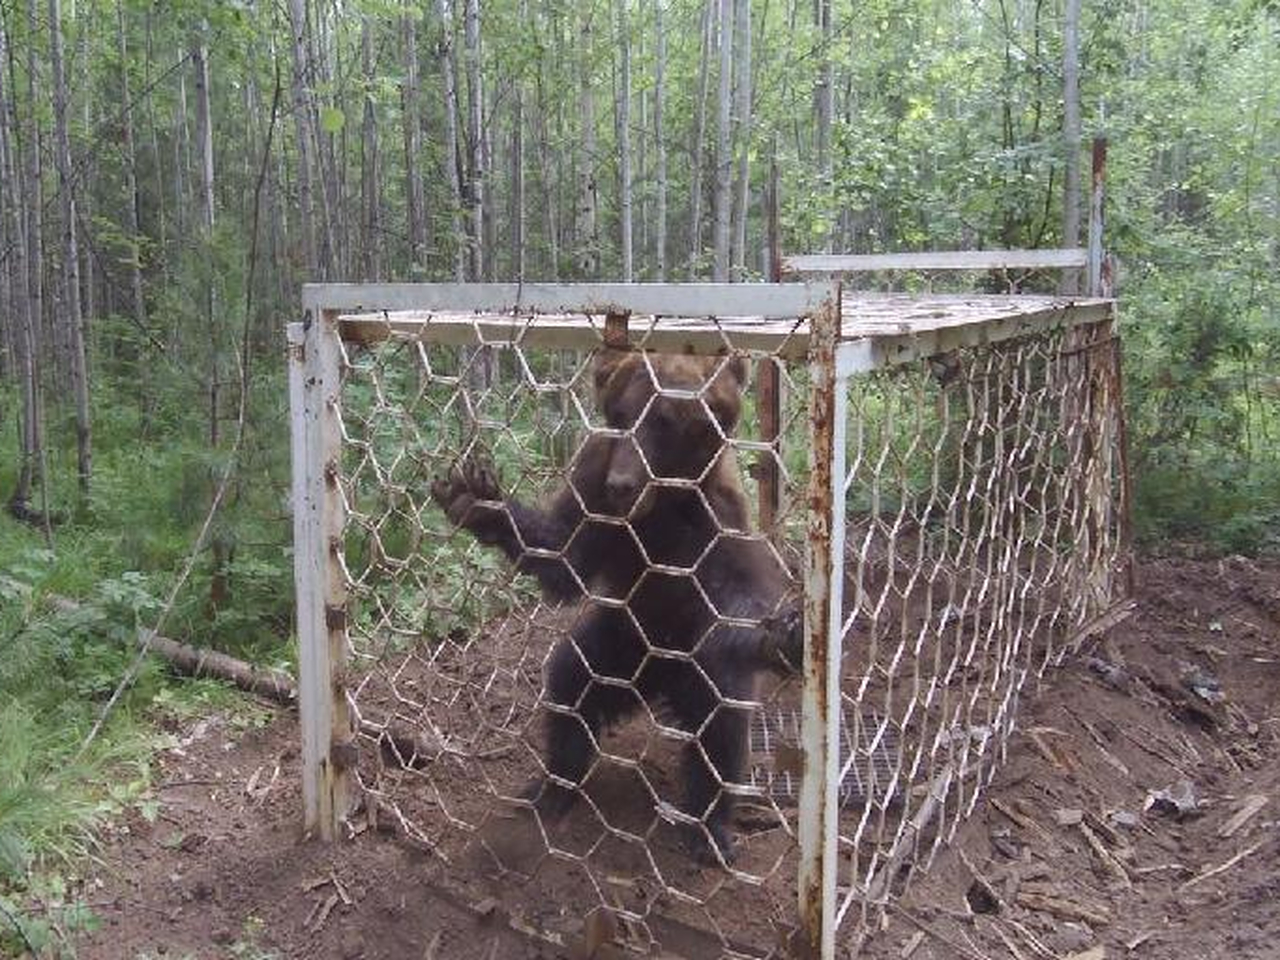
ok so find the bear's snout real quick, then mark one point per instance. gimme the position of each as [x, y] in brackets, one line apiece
[626, 478]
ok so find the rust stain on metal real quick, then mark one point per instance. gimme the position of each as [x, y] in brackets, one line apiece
[335, 617]
[616, 333]
[820, 499]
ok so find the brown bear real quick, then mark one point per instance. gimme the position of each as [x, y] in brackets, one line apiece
[651, 534]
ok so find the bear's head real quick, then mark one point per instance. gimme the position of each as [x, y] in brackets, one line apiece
[677, 410]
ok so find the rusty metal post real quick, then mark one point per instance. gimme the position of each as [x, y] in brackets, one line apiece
[824, 582]
[768, 385]
[328, 738]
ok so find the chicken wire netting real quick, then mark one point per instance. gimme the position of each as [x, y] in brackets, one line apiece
[985, 511]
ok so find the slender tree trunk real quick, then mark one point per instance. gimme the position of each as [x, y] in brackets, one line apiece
[88, 174]
[35, 186]
[302, 119]
[371, 179]
[475, 138]
[133, 202]
[449, 78]
[825, 103]
[180, 154]
[157, 160]
[699, 132]
[21, 302]
[588, 235]
[415, 192]
[1071, 138]
[70, 256]
[204, 145]
[518, 222]
[724, 145]
[744, 140]
[624, 142]
[660, 145]
[550, 183]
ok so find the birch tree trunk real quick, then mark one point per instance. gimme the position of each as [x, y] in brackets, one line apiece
[550, 183]
[449, 78]
[588, 229]
[70, 256]
[699, 132]
[302, 120]
[132, 200]
[724, 145]
[20, 299]
[475, 139]
[517, 168]
[1071, 138]
[744, 140]
[157, 159]
[35, 186]
[181, 165]
[370, 175]
[624, 142]
[415, 192]
[204, 146]
[824, 93]
[660, 145]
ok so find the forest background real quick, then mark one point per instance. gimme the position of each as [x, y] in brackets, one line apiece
[172, 171]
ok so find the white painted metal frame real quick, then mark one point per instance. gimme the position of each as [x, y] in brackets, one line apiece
[828, 263]
[766, 301]
[315, 372]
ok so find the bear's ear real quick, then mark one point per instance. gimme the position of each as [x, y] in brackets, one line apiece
[725, 392]
[608, 360]
[737, 368]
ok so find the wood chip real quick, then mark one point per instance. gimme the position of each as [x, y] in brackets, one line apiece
[1008, 943]
[1093, 953]
[1064, 909]
[341, 890]
[1031, 940]
[1224, 867]
[323, 916]
[1135, 942]
[912, 944]
[432, 951]
[1109, 863]
[313, 884]
[1252, 804]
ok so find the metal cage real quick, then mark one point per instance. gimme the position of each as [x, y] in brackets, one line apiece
[938, 480]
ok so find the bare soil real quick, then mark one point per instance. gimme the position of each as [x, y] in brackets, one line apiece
[1059, 857]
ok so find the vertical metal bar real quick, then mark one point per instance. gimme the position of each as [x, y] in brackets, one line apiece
[824, 582]
[768, 387]
[1099, 267]
[324, 716]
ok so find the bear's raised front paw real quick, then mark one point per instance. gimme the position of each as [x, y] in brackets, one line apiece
[466, 484]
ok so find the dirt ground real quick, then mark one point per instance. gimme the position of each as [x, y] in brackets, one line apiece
[1063, 855]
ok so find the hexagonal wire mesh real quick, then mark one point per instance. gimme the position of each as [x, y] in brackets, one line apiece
[642, 667]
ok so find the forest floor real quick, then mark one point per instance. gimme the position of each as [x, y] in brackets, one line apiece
[1060, 859]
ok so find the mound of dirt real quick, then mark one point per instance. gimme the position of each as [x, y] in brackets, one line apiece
[1137, 815]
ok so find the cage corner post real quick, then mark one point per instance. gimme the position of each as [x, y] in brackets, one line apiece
[824, 582]
[319, 583]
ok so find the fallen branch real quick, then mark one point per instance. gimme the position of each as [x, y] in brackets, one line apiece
[938, 790]
[1251, 805]
[1064, 909]
[1109, 862]
[957, 949]
[22, 511]
[401, 744]
[1223, 868]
